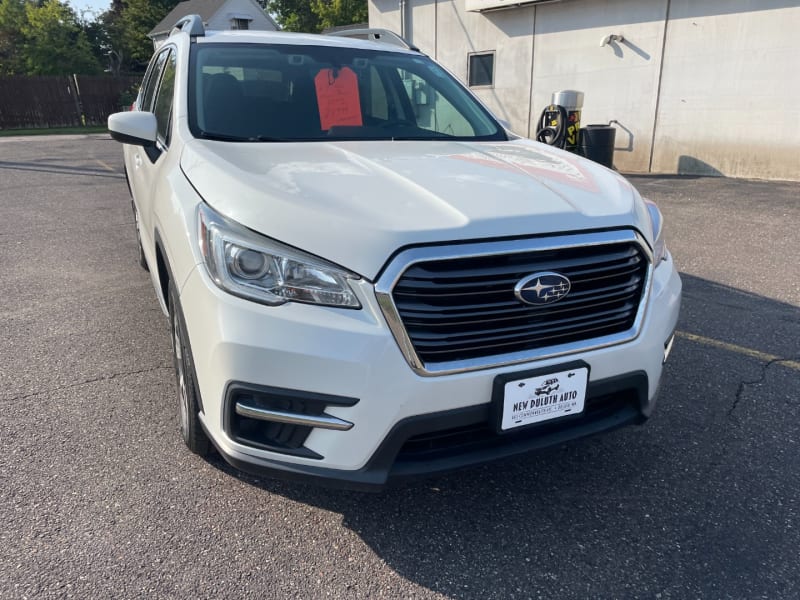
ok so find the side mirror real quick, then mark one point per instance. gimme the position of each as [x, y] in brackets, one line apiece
[136, 127]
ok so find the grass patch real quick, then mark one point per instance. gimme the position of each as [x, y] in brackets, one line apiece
[54, 131]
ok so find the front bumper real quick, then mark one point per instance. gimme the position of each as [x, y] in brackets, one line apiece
[445, 441]
[400, 419]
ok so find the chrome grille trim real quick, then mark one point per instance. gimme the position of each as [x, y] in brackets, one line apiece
[407, 258]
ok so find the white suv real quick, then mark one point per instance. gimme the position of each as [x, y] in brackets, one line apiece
[367, 277]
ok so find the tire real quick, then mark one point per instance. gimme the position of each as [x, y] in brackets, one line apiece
[185, 377]
[142, 259]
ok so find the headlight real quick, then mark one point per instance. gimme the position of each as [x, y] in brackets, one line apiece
[657, 221]
[255, 267]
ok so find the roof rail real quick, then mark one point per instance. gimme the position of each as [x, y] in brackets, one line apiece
[191, 24]
[376, 35]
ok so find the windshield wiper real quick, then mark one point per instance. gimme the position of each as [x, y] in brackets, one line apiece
[267, 138]
[222, 137]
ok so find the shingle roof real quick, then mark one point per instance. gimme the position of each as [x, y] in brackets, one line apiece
[205, 8]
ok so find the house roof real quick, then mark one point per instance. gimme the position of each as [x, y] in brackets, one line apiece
[205, 8]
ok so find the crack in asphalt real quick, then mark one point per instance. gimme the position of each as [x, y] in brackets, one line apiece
[744, 383]
[106, 377]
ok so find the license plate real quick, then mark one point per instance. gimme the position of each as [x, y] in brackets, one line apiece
[543, 397]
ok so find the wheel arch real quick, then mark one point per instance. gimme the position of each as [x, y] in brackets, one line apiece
[165, 275]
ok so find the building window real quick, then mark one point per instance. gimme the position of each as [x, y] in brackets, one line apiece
[240, 23]
[481, 69]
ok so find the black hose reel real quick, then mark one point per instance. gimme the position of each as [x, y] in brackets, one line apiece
[552, 129]
[560, 122]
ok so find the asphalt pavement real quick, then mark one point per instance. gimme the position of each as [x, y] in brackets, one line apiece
[99, 498]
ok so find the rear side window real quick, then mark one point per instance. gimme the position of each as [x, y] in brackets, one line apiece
[164, 99]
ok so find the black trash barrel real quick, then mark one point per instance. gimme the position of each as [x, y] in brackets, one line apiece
[597, 144]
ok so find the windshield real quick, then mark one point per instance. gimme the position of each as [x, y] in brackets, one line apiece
[259, 92]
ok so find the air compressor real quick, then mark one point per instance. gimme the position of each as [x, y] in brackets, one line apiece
[560, 123]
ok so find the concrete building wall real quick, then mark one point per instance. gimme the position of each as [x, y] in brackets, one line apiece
[619, 80]
[730, 90]
[697, 86]
[385, 14]
[444, 30]
[509, 34]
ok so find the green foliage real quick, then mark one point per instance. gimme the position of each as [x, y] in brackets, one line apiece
[12, 17]
[54, 130]
[136, 20]
[127, 97]
[294, 15]
[43, 38]
[55, 43]
[339, 12]
[312, 16]
[125, 26]
[46, 37]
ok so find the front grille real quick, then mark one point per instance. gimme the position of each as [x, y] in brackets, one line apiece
[465, 308]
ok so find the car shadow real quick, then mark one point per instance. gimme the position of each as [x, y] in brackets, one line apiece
[54, 169]
[699, 501]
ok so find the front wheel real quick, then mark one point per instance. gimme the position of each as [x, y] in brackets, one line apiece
[188, 395]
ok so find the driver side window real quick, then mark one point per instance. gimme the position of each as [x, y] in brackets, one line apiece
[151, 82]
[163, 103]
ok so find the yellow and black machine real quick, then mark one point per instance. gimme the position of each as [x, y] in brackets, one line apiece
[560, 126]
[560, 123]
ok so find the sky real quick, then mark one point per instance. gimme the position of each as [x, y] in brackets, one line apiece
[94, 6]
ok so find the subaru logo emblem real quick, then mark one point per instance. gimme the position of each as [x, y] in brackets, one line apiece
[542, 288]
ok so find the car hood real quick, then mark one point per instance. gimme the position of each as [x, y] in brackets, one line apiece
[356, 203]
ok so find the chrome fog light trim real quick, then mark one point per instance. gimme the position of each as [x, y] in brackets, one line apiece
[279, 416]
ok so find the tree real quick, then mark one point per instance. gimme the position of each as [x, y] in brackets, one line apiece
[54, 43]
[136, 20]
[339, 12]
[294, 15]
[106, 35]
[12, 18]
[312, 16]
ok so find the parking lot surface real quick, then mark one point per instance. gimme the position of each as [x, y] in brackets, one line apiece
[99, 498]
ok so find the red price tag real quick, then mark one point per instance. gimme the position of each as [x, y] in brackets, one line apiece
[337, 98]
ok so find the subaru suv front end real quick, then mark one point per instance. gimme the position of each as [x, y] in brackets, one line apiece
[368, 277]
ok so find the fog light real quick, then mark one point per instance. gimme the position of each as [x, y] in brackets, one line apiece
[280, 419]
